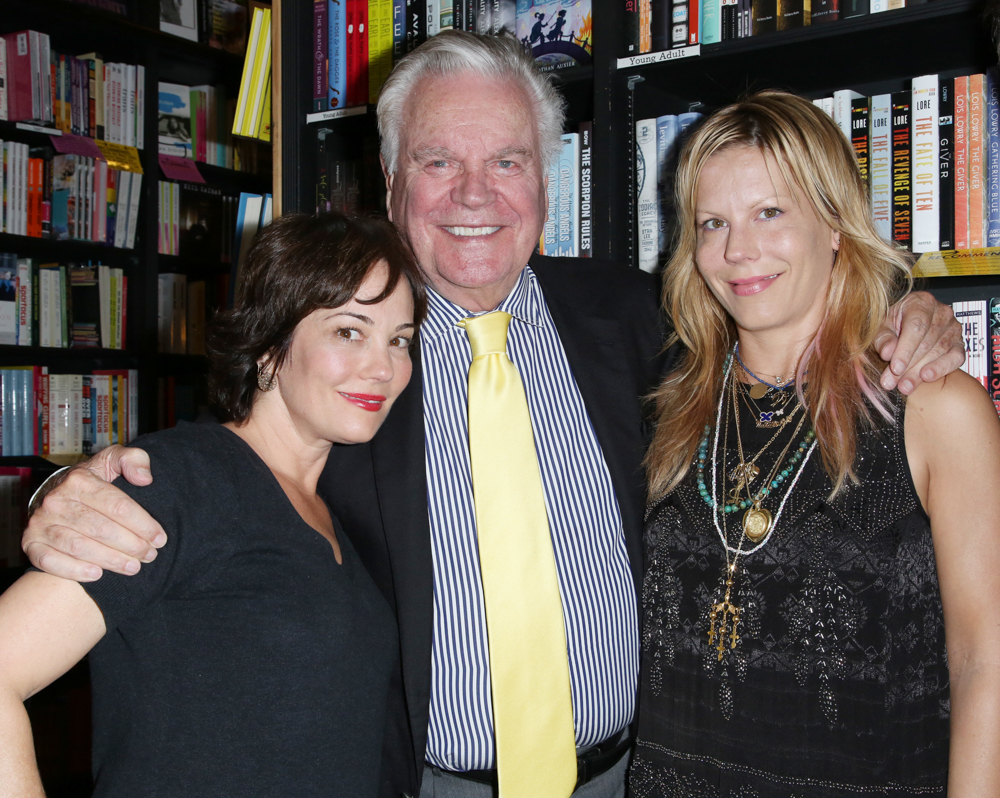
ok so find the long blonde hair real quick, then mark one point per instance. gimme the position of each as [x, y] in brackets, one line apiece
[868, 275]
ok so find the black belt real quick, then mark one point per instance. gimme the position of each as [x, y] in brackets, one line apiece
[589, 765]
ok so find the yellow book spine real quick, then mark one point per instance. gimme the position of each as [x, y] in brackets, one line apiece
[264, 134]
[261, 71]
[248, 65]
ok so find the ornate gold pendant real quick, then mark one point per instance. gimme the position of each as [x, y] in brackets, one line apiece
[724, 619]
[756, 524]
[758, 390]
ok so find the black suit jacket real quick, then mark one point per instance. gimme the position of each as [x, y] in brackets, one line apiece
[609, 323]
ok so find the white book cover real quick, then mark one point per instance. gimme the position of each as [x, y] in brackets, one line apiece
[128, 108]
[60, 435]
[972, 316]
[880, 170]
[76, 413]
[842, 110]
[569, 197]
[101, 408]
[44, 63]
[877, 6]
[135, 191]
[925, 143]
[647, 215]
[828, 105]
[25, 292]
[122, 205]
[44, 308]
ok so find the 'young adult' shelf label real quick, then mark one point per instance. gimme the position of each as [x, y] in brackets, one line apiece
[658, 58]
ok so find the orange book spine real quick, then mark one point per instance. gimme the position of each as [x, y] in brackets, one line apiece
[645, 34]
[977, 101]
[962, 162]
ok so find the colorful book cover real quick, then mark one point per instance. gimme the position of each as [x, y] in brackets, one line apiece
[924, 132]
[559, 32]
[568, 210]
[946, 163]
[962, 162]
[860, 139]
[994, 359]
[337, 61]
[550, 231]
[902, 188]
[174, 119]
[586, 130]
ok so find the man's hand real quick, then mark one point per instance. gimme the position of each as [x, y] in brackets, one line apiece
[84, 524]
[922, 342]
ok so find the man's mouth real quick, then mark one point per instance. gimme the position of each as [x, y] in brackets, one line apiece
[471, 232]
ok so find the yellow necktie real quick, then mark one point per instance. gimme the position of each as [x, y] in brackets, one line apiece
[529, 669]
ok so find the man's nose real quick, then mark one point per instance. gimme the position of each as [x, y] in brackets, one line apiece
[473, 188]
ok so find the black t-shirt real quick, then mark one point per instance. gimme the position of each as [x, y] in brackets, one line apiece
[243, 661]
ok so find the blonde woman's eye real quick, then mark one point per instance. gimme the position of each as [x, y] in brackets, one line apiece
[713, 224]
[770, 213]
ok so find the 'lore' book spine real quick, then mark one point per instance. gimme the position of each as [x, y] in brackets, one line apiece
[962, 162]
[902, 193]
[880, 173]
[859, 134]
[972, 316]
[924, 113]
[946, 163]
[586, 130]
[994, 379]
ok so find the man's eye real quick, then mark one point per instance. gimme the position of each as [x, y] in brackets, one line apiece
[439, 164]
[505, 164]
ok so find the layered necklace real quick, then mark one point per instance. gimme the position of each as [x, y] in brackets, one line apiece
[758, 524]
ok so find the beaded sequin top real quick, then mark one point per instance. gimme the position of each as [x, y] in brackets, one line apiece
[839, 683]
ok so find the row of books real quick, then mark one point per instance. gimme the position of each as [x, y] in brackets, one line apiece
[657, 144]
[980, 320]
[46, 414]
[569, 223]
[83, 95]
[217, 23]
[656, 25]
[183, 310]
[67, 196]
[196, 122]
[356, 42]
[80, 305]
[196, 221]
[931, 158]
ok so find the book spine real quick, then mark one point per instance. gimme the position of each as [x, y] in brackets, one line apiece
[791, 14]
[694, 21]
[977, 155]
[994, 360]
[647, 216]
[926, 211]
[416, 23]
[320, 54]
[765, 16]
[4, 107]
[902, 189]
[399, 30]
[550, 231]
[962, 162]
[586, 130]
[666, 136]
[860, 139]
[25, 303]
[880, 123]
[569, 199]
[991, 141]
[946, 163]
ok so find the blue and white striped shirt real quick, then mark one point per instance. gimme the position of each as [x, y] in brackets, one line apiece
[591, 559]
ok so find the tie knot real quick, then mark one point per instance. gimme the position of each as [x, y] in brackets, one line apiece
[488, 333]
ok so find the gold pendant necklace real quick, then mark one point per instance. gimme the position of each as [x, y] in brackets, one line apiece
[756, 523]
[726, 615]
[758, 390]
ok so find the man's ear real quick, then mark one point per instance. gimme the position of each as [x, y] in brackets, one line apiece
[388, 186]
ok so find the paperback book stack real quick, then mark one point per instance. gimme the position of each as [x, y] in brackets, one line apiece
[78, 305]
[47, 414]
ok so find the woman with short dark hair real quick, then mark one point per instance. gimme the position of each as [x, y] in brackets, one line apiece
[253, 656]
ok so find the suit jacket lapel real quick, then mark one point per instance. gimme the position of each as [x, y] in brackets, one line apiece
[401, 483]
[593, 345]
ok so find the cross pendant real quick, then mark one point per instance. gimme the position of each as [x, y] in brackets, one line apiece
[723, 622]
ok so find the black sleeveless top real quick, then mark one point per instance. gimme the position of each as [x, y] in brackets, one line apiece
[838, 685]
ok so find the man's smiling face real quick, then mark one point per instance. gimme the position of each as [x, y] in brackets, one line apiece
[469, 190]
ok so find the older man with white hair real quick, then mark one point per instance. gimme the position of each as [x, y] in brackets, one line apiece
[500, 508]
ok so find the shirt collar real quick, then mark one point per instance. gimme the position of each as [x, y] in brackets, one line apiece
[524, 303]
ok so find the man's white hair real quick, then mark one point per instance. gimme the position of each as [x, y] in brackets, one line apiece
[453, 52]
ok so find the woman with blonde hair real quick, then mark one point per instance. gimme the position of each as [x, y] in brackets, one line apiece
[818, 605]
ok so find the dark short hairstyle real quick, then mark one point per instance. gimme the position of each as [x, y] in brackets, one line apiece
[296, 265]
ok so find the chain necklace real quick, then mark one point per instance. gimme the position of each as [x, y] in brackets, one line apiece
[724, 616]
[780, 400]
[760, 389]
